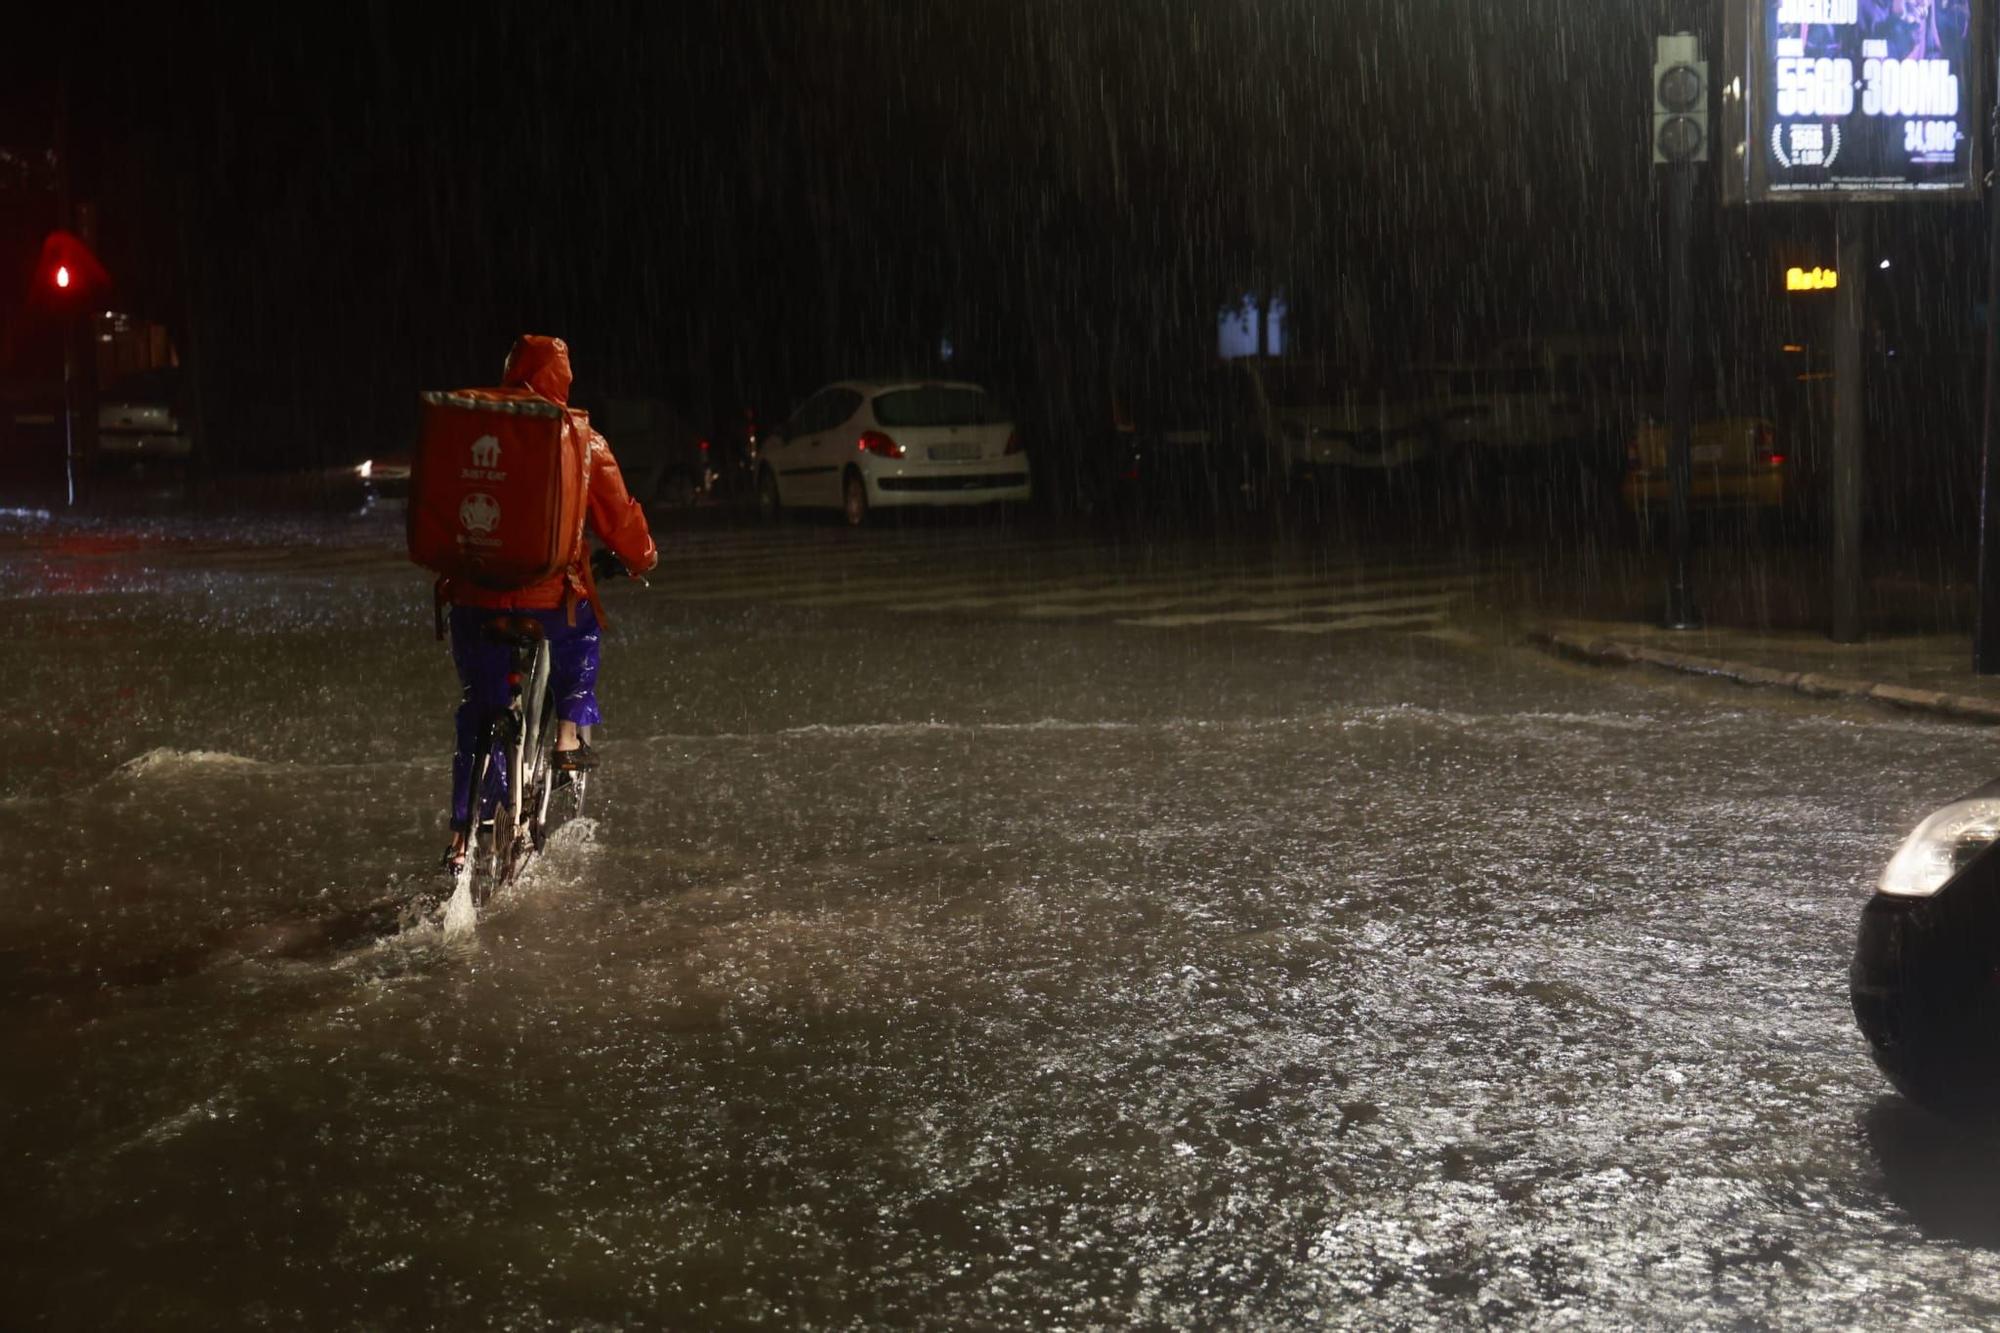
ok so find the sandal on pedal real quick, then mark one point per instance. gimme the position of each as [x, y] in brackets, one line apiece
[580, 760]
[452, 862]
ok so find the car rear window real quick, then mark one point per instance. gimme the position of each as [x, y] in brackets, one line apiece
[936, 405]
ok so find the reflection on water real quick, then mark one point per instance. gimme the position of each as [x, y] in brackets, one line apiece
[942, 971]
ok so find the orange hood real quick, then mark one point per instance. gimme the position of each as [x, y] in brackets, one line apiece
[539, 363]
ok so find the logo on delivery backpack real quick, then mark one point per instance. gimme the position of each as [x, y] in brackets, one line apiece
[486, 451]
[479, 512]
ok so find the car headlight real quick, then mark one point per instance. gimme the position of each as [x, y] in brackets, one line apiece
[365, 468]
[1941, 847]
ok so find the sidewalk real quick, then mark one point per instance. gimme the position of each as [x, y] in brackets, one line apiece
[1765, 617]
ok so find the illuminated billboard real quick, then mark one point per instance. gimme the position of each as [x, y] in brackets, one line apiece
[1852, 99]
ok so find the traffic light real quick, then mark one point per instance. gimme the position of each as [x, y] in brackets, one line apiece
[68, 278]
[1680, 100]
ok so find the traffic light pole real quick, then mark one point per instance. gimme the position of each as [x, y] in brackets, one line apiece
[1850, 225]
[1986, 625]
[1681, 613]
[69, 405]
[1680, 142]
[65, 219]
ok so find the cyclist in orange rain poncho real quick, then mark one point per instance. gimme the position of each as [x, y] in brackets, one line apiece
[565, 604]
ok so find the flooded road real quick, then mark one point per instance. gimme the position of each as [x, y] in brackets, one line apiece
[951, 946]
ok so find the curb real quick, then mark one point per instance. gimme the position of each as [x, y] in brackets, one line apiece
[1615, 652]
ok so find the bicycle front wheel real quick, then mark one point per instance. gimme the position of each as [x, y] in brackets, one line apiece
[542, 779]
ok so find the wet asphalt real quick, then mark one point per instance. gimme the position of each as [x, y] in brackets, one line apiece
[977, 927]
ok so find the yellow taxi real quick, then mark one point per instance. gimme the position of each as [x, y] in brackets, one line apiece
[1751, 450]
[1734, 463]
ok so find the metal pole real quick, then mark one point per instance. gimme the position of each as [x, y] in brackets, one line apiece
[1852, 283]
[66, 220]
[1681, 613]
[69, 406]
[1986, 626]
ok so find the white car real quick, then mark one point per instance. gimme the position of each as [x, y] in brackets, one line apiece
[139, 420]
[861, 445]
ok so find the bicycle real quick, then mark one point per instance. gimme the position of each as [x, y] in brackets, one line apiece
[538, 797]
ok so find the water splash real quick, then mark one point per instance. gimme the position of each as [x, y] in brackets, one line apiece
[460, 916]
[166, 760]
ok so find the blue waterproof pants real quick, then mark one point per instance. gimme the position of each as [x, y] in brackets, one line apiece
[482, 677]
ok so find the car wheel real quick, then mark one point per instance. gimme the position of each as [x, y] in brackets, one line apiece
[854, 499]
[769, 506]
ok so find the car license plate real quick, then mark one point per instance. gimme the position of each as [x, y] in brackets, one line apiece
[1705, 453]
[954, 453]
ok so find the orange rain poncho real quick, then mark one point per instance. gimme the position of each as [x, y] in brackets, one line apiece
[541, 365]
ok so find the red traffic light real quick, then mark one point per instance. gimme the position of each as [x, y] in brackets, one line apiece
[69, 274]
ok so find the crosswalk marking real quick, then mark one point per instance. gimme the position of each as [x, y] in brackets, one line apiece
[828, 579]
[979, 590]
[1414, 591]
[1276, 592]
[1057, 580]
[924, 587]
[1349, 625]
[1103, 587]
[1267, 614]
[1108, 593]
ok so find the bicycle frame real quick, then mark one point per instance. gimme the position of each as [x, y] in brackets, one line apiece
[531, 721]
[520, 731]
[520, 737]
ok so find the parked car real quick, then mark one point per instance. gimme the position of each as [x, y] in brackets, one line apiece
[1542, 407]
[1334, 424]
[665, 460]
[1735, 462]
[141, 420]
[861, 445]
[1753, 449]
[1198, 443]
[1246, 434]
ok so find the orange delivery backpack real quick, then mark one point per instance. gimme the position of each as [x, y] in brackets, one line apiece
[498, 487]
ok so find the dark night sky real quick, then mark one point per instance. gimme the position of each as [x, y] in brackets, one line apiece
[731, 201]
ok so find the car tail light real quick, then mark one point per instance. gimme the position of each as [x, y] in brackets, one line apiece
[875, 442]
[1767, 447]
[1013, 442]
